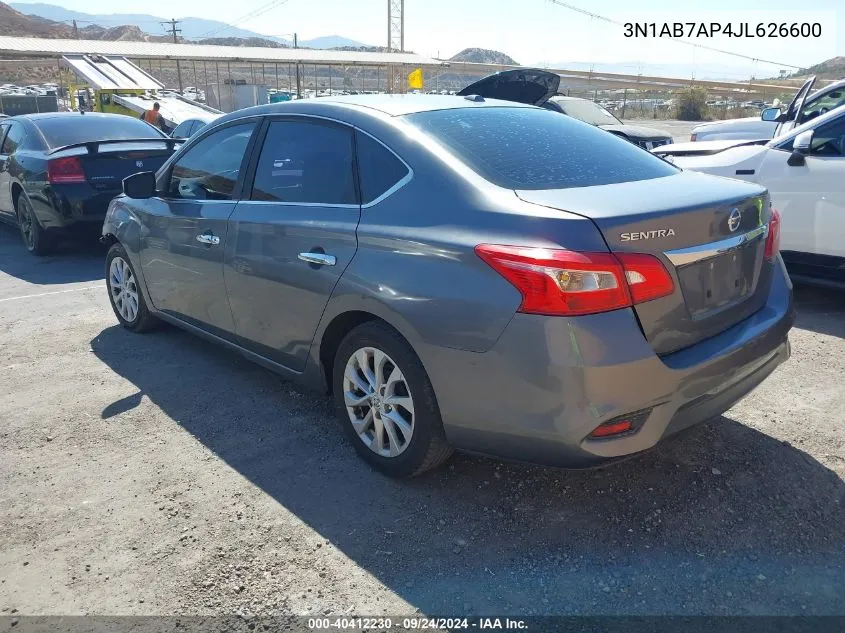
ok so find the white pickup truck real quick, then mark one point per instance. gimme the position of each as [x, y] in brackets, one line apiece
[775, 121]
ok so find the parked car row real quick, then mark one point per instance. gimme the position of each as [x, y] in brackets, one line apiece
[804, 171]
[774, 121]
[456, 271]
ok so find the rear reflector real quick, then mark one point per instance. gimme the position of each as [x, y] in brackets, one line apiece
[629, 423]
[773, 239]
[560, 282]
[612, 428]
[65, 170]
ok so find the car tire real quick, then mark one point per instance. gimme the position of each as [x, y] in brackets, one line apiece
[387, 406]
[35, 239]
[125, 296]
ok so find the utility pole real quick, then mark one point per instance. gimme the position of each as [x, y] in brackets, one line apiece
[298, 82]
[175, 32]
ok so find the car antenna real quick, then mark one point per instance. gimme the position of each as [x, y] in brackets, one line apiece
[476, 98]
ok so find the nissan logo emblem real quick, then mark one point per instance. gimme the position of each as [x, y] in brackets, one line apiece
[734, 220]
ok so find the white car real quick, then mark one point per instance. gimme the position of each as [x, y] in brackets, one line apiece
[775, 121]
[804, 171]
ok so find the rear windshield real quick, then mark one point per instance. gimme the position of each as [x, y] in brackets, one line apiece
[533, 148]
[70, 130]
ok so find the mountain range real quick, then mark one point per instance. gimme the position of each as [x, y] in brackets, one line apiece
[193, 28]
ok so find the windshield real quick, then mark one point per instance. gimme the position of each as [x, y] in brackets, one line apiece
[69, 130]
[587, 111]
[531, 148]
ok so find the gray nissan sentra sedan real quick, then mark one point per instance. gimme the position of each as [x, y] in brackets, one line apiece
[460, 273]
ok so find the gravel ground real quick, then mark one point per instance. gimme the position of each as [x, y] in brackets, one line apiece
[157, 474]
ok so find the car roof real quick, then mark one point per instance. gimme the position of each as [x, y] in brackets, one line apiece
[43, 116]
[389, 104]
[401, 104]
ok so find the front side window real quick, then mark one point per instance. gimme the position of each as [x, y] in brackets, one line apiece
[305, 162]
[3, 128]
[533, 148]
[209, 170]
[828, 102]
[379, 169]
[829, 140]
[14, 138]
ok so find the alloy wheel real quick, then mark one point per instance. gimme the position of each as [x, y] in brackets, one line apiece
[124, 291]
[378, 401]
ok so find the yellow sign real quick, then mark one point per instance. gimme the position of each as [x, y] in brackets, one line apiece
[415, 79]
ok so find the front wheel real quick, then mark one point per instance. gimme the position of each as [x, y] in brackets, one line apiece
[125, 296]
[386, 403]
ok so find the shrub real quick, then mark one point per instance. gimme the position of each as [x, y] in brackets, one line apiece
[691, 104]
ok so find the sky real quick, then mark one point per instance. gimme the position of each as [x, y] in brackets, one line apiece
[535, 32]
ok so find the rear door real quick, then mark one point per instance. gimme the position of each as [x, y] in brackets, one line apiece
[15, 136]
[292, 236]
[184, 232]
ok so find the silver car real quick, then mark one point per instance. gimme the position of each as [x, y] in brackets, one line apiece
[460, 272]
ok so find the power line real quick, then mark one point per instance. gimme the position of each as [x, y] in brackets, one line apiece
[252, 14]
[674, 39]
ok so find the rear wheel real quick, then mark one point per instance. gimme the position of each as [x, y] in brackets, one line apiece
[35, 239]
[125, 296]
[386, 403]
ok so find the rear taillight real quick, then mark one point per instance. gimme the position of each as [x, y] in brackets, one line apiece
[692, 137]
[773, 238]
[560, 282]
[65, 170]
[646, 275]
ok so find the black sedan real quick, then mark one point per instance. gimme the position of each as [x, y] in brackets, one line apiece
[60, 170]
[539, 87]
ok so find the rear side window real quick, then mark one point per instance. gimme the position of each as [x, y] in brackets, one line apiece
[72, 129]
[209, 170]
[378, 168]
[183, 130]
[14, 139]
[305, 162]
[533, 148]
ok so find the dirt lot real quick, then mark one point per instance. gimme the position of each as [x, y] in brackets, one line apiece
[157, 474]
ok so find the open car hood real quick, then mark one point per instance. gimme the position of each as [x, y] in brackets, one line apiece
[522, 85]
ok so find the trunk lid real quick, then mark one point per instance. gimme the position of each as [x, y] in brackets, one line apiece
[109, 163]
[708, 232]
[522, 85]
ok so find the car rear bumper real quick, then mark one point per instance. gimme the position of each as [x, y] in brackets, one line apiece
[550, 381]
[73, 207]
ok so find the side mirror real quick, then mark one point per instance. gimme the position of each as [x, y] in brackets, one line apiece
[140, 186]
[800, 148]
[770, 114]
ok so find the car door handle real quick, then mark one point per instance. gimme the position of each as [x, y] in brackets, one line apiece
[321, 259]
[208, 238]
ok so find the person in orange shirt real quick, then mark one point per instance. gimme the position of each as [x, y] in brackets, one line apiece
[153, 117]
